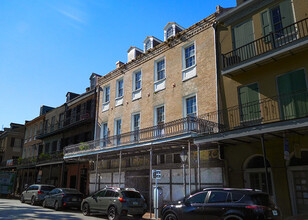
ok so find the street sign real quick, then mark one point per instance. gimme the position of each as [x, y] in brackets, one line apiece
[156, 174]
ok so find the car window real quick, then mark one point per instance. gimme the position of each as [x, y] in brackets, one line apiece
[131, 194]
[100, 193]
[35, 188]
[30, 188]
[236, 197]
[217, 197]
[109, 193]
[262, 199]
[47, 188]
[53, 191]
[68, 191]
[197, 198]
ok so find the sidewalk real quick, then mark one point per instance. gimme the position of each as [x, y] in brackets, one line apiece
[147, 216]
[298, 217]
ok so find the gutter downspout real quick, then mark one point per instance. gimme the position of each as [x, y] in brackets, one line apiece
[217, 72]
[97, 94]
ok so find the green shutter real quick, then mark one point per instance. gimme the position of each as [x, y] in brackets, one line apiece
[266, 23]
[286, 13]
[243, 34]
[249, 102]
[293, 99]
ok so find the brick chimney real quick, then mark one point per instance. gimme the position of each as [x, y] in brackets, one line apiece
[119, 64]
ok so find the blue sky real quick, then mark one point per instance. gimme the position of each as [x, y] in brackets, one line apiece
[50, 47]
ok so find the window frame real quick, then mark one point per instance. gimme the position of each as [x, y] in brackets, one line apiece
[118, 96]
[105, 93]
[156, 62]
[185, 104]
[155, 114]
[184, 65]
[135, 82]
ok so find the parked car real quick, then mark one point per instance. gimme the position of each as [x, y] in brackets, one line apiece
[115, 202]
[225, 204]
[63, 198]
[36, 193]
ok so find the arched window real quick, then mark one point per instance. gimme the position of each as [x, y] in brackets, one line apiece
[254, 174]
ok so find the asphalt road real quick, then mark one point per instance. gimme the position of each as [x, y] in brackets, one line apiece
[14, 209]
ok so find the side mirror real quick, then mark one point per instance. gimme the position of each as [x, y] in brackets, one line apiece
[187, 203]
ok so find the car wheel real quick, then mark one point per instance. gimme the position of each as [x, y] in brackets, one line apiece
[86, 209]
[56, 206]
[170, 216]
[112, 213]
[22, 199]
[44, 204]
[33, 200]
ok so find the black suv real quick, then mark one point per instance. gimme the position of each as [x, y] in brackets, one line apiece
[225, 204]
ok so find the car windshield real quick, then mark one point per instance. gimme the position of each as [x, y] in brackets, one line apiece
[68, 191]
[131, 194]
[47, 188]
[262, 199]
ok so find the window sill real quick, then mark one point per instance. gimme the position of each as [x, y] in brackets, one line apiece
[159, 85]
[119, 101]
[105, 107]
[189, 73]
[136, 94]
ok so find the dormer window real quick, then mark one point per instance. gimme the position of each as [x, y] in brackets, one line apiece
[169, 32]
[150, 42]
[148, 45]
[171, 29]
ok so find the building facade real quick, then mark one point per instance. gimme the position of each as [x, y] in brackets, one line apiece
[149, 110]
[263, 116]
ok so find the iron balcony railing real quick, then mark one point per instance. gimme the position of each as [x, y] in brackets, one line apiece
[268, 110]
[42, 158]
[164, 130]
[9, 163]
[64, 123]
[274, 40]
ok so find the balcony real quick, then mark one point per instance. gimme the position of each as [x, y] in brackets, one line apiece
[180, 128]
[43, 158]
[291, 39]
[68, 122]
[8, 164]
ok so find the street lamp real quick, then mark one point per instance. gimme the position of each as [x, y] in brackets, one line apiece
[183, 157]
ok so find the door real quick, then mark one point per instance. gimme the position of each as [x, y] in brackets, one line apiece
[292, 90]
[140, 181]
[194, 208]
[216, 205]
[243, 35]
[249, 103]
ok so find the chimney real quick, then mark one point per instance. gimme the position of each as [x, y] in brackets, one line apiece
[219, 9]
[119, 64]
[87, 89]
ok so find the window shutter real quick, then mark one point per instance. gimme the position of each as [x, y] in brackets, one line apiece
[266, 24]
[249, 100]
[286, 13]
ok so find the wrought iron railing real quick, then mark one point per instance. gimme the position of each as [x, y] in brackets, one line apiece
[9, 163]
[267, 43]
[268, 110]
[42, 158]
[64, 123]
[173, 128]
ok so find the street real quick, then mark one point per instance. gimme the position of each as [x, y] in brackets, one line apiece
[14, 209]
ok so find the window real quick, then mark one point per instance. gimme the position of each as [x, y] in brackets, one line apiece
[161, 159]
[159, 75]
[160, 69]
[191, 106]
[104, 134]
[176, 158]
[120, 88]
[292, 89]
[106, 94]
[135, 126]
[12, 141]
[118, 125]
[137, 80]
[189, 56]
[47, 148]
[197, 198]
[53, 119]
[249, 103]
[106, 98]
[148, 45]
[169, 32]
[109, 193]
[218, 197]
[160, 115]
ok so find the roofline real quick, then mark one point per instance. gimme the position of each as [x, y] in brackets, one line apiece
[153, 38]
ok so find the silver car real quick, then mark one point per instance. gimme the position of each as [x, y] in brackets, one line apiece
[36, 193]
[115, 202]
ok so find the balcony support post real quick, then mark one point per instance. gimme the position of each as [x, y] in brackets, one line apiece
[62, 174]
[78, 173]
[265, 163]
[120, 167]
[150, 193]
[198, 161]
[189, 168]
[96, 166]
[50, 170]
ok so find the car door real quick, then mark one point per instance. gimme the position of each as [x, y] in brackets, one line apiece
[51, 197]
[194, 205]
[27, 193]
[96, 200]
[107, 200]
[216, 205]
